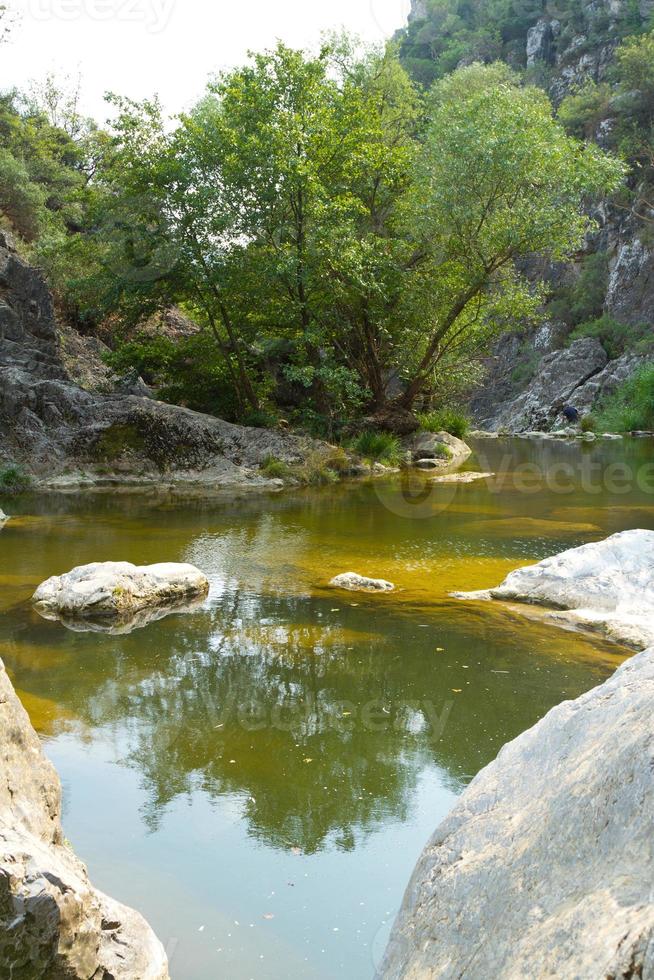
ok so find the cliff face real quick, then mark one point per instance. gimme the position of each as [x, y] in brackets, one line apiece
[53, 923]
[65, 422]
[559, 46]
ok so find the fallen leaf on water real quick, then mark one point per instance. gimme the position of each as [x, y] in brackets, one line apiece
[308, 760]
[457, 690]
[268, 915]
[345, 713]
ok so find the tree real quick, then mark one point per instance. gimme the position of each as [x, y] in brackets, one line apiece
[273, 195]
[498, 180]
[304, 205]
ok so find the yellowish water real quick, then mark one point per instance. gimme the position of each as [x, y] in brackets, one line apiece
[259, 776]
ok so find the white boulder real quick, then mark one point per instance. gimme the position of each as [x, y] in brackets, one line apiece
[3, 517]
[360, 583]
[545, 866]
[605, 585]
[118, 589]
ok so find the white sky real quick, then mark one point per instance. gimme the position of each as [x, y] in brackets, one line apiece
[170, 47]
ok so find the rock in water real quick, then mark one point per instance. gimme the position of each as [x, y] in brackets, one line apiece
[118, 589]
[545, 866]
[442, 447]
[605, 585]
[53, 923]
[359, 583]
[3, 517]
[468, 477]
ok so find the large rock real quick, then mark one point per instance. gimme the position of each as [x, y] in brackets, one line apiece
[117, 589]
[63, 421]
[441, 447]
[545, 866]
[596, 389]
[605, 585]
[53, 923]
[560, 376]
[630, 294]
[540, 41]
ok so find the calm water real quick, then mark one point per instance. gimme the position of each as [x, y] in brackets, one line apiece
[259, 776]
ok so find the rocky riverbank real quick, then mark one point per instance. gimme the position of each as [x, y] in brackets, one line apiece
[605, 586]
[53, 922]
[544, 868]
[67, 424]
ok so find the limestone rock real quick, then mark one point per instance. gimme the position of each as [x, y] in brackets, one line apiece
[418, 10]
[540, 39]
[360, 583]
[113, 590]
[442, 447]
[630, 294]
[53, 923]
[544, 868]
[462, 477]
[605, 585]
[560, 376]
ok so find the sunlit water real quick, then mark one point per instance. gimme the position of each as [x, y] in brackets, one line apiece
[259, 776]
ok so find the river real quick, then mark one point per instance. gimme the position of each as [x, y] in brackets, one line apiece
[259, 776]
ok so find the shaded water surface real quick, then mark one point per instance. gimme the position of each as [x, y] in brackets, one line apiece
[259, 776]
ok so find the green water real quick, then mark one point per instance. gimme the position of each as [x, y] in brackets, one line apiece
[259, 776]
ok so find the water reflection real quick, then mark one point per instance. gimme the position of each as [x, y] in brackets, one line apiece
[282, 725]
[318, 722]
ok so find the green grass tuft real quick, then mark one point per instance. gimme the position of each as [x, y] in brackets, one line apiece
[14, 480]
[445, 420]
[631, 406]
[378, 447]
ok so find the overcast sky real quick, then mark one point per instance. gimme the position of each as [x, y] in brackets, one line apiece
[139, 47]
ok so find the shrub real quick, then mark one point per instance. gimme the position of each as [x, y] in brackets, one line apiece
[615, 337]
[445, 420]
[188, 371]
[631, 406]
[337, 459]
[315, 471]
[378, 447]
[583, 300]
[259, 419]
[588, 424]
[274, 468]
[14, 480]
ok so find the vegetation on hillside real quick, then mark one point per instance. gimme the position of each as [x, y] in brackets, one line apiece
[456, 32]
[347, 244]
[631, 407]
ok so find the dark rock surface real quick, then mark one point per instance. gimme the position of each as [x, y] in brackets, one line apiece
[59, 421]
